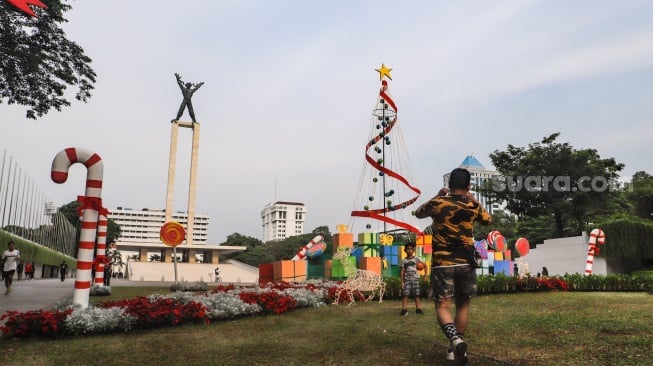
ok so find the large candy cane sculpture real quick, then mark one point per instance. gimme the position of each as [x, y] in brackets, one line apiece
[91, 205]
[597, 237]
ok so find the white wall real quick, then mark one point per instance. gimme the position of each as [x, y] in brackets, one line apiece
[231, 271]
[564, 255]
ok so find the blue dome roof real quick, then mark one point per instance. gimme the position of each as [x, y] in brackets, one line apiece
[471, 161]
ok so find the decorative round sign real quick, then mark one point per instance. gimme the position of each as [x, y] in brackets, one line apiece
[172, 233]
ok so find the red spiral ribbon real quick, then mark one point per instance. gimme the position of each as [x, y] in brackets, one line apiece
[172, 233]
[377, 213]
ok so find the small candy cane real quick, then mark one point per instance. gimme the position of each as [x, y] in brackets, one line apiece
[302, 252]
[91, 205]
[597, 237]
[100, 251]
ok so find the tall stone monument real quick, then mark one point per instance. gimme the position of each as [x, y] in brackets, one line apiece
[187, 90]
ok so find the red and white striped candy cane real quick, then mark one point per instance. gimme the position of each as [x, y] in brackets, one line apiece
[597, 237]
[100, 251]
[302, 252]
[91, 205]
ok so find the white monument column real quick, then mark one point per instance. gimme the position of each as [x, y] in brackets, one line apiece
[172, 167]
[192, 184]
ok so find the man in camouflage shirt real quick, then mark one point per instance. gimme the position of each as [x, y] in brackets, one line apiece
[454, 212]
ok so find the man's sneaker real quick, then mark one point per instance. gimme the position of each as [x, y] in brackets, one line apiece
[459, 351]
[449, 354]
[419, 311]
[404, 312]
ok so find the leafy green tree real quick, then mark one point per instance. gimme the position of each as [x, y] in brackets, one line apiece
[502, 221]
[254, 256]
[324, 230]
[289, 247]
[38, 62]
[71, 211]
[258, 252]
[640, 194]
[249, 256]
[552, 178]
[536, 229]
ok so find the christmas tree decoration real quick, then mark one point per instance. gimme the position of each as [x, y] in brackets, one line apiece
[384, 71]
[24, 6]
[385, 174]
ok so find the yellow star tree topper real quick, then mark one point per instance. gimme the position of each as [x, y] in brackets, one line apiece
[384, 71]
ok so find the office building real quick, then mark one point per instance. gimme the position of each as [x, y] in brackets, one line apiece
[479, 176]
[144, 226]
[282, 220]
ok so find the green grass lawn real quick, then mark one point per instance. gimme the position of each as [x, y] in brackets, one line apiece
[547, 328]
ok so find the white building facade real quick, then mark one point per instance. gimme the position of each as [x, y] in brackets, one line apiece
[479, 176]
[144, 226]
[282, 220]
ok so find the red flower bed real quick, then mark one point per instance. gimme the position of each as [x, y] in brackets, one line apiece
[153, 312]
[223, 288]
[161, 311]
[34, 323]
[553, 284]
[344, 295]
[541, 284]
[271, 302]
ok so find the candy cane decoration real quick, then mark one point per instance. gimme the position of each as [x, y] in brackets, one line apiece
[302, 252]
[100, 251]
[91, 205]
[597, 237]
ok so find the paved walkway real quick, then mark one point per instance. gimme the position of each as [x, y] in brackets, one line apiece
[46, 293]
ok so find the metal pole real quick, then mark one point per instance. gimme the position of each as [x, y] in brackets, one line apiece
[174, 253]
[383, 164]
[2, 174]
[4, 207]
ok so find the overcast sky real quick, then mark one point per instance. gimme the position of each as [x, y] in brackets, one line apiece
[290, 87]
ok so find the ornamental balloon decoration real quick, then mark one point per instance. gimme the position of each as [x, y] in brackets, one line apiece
[523, 246]
[496, 241]
[384, 190]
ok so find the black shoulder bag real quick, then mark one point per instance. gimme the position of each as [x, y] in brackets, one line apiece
[472, 255]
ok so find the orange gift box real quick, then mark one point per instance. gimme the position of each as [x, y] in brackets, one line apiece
[371, 264]
[290, 271]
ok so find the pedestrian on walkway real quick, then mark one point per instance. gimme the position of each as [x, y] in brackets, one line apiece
[29, 271]
[10, 259]
[63, 270]
[19, 270]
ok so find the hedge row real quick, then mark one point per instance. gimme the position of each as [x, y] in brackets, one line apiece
[33, 252]
[494, 284]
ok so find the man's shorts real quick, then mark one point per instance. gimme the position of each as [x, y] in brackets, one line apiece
[453, 281]
[411, 287]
